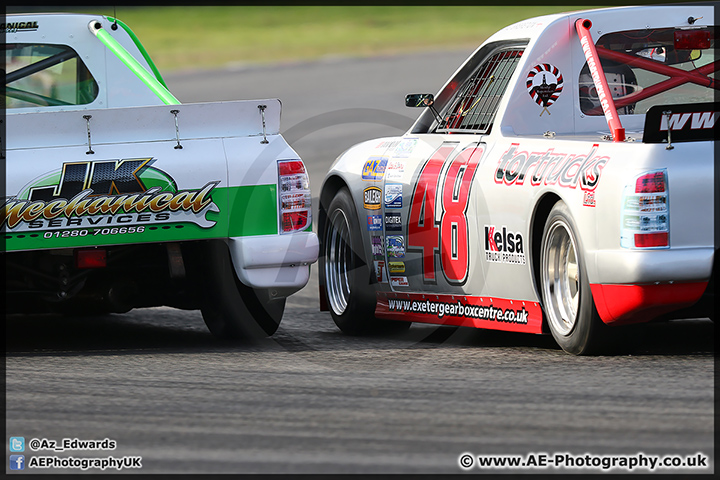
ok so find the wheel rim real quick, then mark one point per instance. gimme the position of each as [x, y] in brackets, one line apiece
[338, 258]
[561, 278]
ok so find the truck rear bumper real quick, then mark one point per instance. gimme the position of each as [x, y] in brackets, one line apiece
[621, 304]
[274, 261]
[636, 286]
[635, 267]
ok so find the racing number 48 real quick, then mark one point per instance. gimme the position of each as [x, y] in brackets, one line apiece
[449, 233]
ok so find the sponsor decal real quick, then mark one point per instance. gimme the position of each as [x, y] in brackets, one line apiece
[544, 84]
[374, 168]
[686, 122]
[551, 168]
[399, 282]
[385, 144]
[393, 195]
[374, 223]
[380, 271]
[15, 27]
[395, 170]
[588, 199]
[395, 246]
[502, 246]
[377, 246]
[603, 96]
[405, 147]
[679, 121]
[527, 24]
[393, 221]
[372, 198]
[396, 267]
[108, 192]
[461, 310]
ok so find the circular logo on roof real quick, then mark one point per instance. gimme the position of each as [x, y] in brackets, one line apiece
[545, 84]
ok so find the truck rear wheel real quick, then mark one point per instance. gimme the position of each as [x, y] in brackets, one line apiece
[232, 310]
[567, 300]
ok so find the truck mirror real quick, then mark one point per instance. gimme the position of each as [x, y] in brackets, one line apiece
[419, 100]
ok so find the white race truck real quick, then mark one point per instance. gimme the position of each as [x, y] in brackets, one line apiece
[118, 197]
[561, 181]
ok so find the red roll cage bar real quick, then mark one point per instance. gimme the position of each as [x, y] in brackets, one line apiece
[598, 76]
[677, 76]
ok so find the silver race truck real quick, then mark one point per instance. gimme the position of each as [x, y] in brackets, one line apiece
[561, 181]
[118, 197]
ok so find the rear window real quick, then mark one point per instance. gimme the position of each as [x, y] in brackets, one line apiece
[46, 75]
[649, 67]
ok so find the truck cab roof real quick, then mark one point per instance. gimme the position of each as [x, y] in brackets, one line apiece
[55, 63]
[534, 77]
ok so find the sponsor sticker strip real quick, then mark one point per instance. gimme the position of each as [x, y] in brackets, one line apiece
[372, 198]
[377, 246]
[502, 246]
[393, 221]
[461, 310]
[399, 282]
[374, 168]
[397, 267]
[374, 223]
[380, 271]
[395, 246]
[550, 168]
[393, 195]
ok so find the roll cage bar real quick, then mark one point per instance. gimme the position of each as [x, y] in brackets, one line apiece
[31, 69]
[677, 76]
[699, 76]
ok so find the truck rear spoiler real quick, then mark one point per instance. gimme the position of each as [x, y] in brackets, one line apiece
[174, 124]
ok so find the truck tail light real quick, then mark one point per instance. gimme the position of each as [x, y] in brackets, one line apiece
[645, 212]
[294, 195]
[650, 240]
[91, 258]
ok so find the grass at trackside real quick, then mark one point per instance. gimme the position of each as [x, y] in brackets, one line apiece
[201, 37]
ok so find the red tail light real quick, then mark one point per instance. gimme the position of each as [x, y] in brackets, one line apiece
[648, 240]
[294, 221]
[650, 183]
[290, 167]
[645, 212]
[294, 196]
[91, 258]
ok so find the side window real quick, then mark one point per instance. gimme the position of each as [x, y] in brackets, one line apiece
[474, 107]
[645, 68]
[46, 75]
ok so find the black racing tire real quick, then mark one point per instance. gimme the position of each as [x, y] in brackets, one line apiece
[231, 309]
[567, 299]
[345, 274]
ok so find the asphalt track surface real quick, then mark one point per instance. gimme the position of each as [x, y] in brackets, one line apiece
[312, 400]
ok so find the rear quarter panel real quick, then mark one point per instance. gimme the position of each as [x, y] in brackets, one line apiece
[214, 180]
